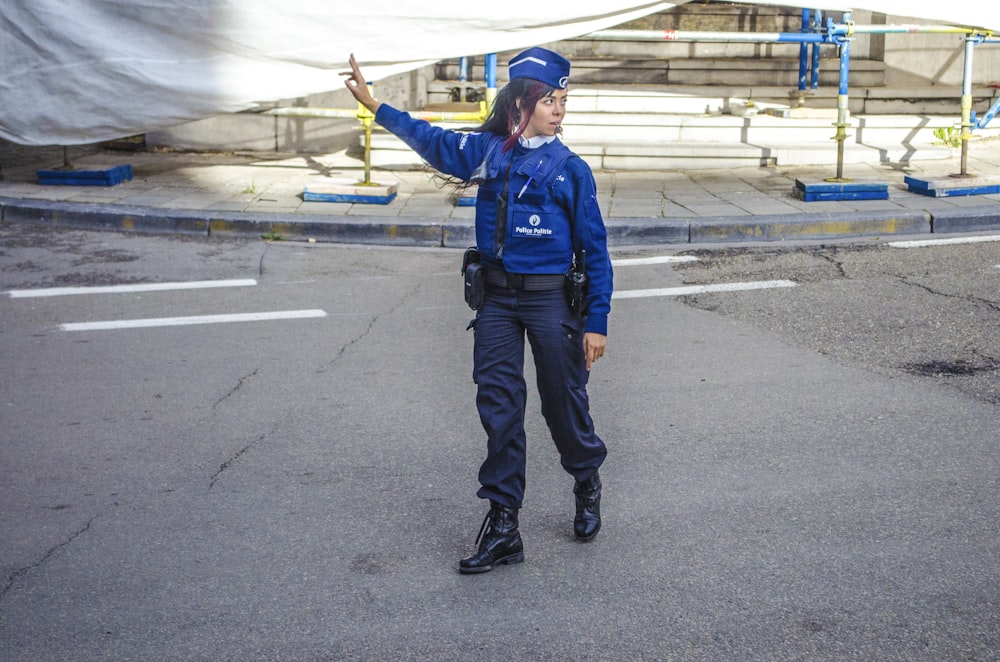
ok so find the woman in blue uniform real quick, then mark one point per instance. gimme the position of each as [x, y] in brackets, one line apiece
[537, 218]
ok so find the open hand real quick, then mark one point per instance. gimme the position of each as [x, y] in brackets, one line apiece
[355, 82]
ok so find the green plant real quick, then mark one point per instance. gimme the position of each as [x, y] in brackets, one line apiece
[251, 188]
[948, 135]
[271, 235]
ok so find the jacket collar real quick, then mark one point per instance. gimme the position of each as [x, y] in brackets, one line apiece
[535, 141]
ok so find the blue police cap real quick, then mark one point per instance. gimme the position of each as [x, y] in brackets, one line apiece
[542, 65]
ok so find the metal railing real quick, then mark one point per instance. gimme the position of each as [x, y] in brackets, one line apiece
[814, 34]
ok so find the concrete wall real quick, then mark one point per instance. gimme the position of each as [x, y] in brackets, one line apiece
[938, 59]
[910, 59]
[266, 133]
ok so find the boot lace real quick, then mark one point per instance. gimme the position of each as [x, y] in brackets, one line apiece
[484, 527]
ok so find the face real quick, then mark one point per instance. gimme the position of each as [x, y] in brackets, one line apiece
[548, 115]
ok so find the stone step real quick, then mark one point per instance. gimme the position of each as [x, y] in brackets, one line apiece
[761, 129]
[711, 155]
[686, 70]
[653, 140]
[580, 49]
[389, 153]
[657, 154]
[714, 99]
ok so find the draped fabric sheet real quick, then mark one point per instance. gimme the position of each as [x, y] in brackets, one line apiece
[91, 70]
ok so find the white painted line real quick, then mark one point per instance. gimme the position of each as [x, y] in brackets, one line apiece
[942, 242]
[703, 289]
[127, 289]
[187, 321]
[662, 259]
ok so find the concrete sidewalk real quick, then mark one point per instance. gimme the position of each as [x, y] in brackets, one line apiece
[255, 195]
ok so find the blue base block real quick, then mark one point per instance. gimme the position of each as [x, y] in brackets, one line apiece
[466, 197]
[944, 187]
[351, 192]
[70, 177]
[841, 195]
[813, 190]
[346, 197]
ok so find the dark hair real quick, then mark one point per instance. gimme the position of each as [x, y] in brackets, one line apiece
[506, 118]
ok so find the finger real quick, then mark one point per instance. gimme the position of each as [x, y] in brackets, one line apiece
[353, 64]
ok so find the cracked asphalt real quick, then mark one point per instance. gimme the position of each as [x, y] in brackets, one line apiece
[927, 311]
[806, 473]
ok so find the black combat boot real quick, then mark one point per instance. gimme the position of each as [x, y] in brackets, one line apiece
[499, 541]
[588, 508]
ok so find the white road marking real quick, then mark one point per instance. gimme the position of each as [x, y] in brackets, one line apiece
[186, 321]
[127, 289]
[702, 289]
[942, 242]
[662, 259]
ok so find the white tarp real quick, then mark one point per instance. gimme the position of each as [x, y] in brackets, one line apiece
[91, 70]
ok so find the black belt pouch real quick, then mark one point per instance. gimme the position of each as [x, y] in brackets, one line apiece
[474, 274]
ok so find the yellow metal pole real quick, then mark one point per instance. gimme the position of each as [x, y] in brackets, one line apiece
[841, 136]
[368, 151]
[966, 134]
[843, 106]
[438, 116]
[367, 118]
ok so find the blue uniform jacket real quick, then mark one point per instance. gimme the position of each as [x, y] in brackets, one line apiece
[552, 208]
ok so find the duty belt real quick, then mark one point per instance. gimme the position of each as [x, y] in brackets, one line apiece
[525, 282]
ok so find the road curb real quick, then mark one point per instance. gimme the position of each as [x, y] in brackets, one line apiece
[460, 233]
[966, 219]
[104, 217]
[778, 227]
[637, 231]
[345, 229]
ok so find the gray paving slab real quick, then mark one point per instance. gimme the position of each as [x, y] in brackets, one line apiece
[242, 194]
[672, 210]
[718, 209]
[628, 208]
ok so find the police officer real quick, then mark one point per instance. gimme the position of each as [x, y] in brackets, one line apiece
[537, 220]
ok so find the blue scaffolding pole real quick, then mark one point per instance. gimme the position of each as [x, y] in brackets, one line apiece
[805, 58]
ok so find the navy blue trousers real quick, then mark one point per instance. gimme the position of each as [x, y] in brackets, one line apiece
[555, 334]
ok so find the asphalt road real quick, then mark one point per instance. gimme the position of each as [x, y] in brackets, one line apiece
[803, 472]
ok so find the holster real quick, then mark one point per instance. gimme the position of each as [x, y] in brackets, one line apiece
[576, 283]
[576, 290]
[474, 277]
